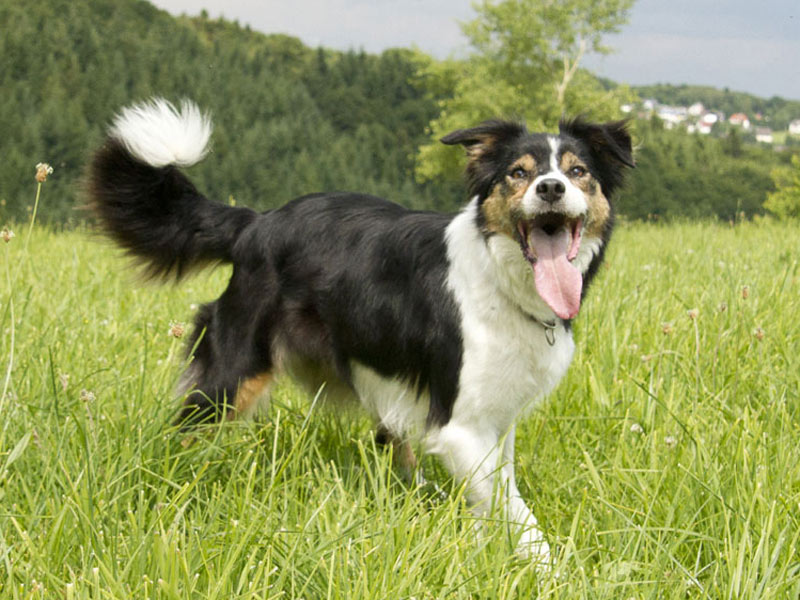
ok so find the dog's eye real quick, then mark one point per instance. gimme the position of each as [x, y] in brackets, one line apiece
[577, 171]
[518, 173]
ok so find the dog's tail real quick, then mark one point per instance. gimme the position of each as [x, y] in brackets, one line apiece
[147, 205]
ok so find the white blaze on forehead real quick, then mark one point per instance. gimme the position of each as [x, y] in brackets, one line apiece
[554, 144]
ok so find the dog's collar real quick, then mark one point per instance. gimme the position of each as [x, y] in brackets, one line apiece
[548, 326]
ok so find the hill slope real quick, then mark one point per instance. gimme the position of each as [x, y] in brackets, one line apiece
[776, 112]
[288, 119]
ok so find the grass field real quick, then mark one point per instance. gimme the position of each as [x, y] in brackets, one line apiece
[666, 465]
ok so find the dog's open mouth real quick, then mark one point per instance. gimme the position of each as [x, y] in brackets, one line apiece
[550, 242]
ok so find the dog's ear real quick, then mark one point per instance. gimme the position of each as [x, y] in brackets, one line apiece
[484, 145]
[610, 147]
[480, 140]
[611, 140]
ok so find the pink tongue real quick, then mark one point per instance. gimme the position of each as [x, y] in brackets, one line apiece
[557, 281]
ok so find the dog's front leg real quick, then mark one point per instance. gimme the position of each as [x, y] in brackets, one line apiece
[532, 540]
[478, 456]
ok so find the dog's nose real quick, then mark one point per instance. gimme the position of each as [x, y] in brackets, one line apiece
[550, 190]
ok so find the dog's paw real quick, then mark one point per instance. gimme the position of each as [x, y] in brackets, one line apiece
[533, 546]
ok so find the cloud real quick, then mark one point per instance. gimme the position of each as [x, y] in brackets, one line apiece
[369, 24]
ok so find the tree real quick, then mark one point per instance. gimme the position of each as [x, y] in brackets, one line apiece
[784, 202]
[526, 64]
[733, 143]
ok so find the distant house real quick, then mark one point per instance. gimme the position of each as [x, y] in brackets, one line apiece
[697, 109]
[705, 123]
[739, 119]
[764, 134]
[672, 115]
[794, 127]
[703, 127]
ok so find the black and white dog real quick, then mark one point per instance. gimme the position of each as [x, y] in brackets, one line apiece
[444, 327]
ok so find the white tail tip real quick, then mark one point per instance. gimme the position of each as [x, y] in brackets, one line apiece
[157, 133]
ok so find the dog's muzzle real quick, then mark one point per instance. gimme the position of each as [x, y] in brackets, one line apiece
[550, 242]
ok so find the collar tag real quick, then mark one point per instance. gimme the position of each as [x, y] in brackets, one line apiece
[549, 331]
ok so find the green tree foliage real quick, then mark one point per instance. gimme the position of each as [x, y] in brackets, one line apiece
[289, 119]
[695, 176]
[525, 65]
[784, 202]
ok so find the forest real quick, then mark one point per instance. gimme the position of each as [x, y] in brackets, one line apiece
[289, 119]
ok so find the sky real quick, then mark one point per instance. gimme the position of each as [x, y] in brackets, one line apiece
[739, 44]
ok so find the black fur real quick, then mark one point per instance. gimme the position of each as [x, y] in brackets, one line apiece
[158, 216]
[339, 255]
[605, 147]
[300, 274]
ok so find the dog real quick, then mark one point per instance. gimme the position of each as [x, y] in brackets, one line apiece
[444, 327]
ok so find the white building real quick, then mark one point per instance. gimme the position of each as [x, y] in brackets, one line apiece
[697, 109]
[739, 119]
[672, 115]
[709, 119]
[764, 135]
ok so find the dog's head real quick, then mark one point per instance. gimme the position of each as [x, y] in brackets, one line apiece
[548, 193]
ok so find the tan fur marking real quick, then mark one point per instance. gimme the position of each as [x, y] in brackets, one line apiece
[506, 198]
[248, 393]
[475, 151]
[599, 212]
[405, 454]
[497, 209]
[569, 160]
[527, 162]
[599, 208]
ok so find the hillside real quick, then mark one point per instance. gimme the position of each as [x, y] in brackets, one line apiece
[290, 119]
[776, 112]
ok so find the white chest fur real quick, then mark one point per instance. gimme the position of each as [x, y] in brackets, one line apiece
[508, 362]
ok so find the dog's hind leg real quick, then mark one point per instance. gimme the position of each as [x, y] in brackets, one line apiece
[231, 369]
[209, 401]
[403, 454]
[251, 395]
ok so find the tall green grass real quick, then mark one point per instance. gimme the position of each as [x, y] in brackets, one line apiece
[666, 465]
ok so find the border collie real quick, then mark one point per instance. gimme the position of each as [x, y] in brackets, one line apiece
[445, 327]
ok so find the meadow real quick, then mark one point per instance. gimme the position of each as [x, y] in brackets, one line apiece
[666, 464]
